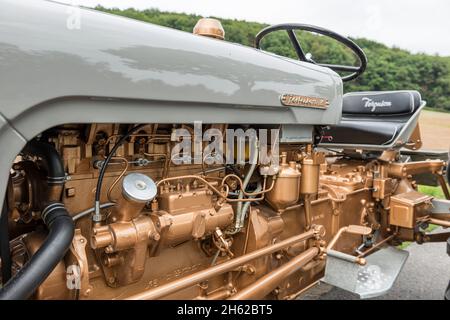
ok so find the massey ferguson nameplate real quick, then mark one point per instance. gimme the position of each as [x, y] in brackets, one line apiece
[294, 100]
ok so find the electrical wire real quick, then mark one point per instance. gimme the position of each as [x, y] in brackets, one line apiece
[97, 217]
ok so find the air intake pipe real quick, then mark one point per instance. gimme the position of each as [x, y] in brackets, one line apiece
[42, 263]
[56, 176]
[59, 223]
[55, 168]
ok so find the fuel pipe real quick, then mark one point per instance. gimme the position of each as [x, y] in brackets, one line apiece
[262, 287]
[56, 218]
[191, 280]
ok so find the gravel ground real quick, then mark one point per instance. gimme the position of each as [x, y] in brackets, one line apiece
[425, 276]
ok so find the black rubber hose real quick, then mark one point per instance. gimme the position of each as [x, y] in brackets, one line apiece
[42, 263]
[106, 162]
[4, 243]
[51, 158]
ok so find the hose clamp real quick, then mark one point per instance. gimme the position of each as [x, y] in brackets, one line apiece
[46, 213]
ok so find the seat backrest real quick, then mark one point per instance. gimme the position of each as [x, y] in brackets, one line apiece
[381, 103]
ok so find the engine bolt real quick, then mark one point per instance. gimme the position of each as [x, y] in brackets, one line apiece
[87, 292]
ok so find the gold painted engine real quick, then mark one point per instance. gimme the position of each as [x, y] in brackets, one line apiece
[208, 231]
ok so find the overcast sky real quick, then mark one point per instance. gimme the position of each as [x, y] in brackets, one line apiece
[416, 25]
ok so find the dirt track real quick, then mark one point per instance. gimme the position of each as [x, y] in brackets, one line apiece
[435, 130]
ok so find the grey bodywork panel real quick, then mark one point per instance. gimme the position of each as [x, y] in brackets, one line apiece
[118, 70]
[155, 74]
[11, 143]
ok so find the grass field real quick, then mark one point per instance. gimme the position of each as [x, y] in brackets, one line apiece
[435, 130]
[432, 191]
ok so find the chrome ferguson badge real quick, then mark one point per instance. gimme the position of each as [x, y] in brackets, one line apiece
[374, 105]
[294, 100]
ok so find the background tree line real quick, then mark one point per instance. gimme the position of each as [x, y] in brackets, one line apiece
[388, 68]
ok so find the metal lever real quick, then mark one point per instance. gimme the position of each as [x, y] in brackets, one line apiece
[352, 229]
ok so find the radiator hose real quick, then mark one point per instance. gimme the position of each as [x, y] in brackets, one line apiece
[50, 157]
[42, 263]
[61, 231]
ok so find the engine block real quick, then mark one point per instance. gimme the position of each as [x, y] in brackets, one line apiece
[202, 231]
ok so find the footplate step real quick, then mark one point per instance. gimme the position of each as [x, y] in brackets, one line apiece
[373, 279]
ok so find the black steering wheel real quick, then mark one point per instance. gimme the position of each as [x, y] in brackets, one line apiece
[290, 27]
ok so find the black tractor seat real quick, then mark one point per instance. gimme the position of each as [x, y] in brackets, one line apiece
[373, 118]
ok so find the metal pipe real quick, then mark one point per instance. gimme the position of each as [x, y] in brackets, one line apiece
[212, 170]
[153, 135]
[219, 193]
[436, 237]
[299, 292]
[439, 222]
[262, 193]
[218, 295]
[307, 209]
[240, 215]
[263, 286]
[377, 245]
[328, 198]
[112, 186]
[335, 238]
[229, 265]
[352, 229]
[245, 184]
[241, 184]
[247, 205]
[444, 186]
[346, 257]
[90, 210]
[402, 170]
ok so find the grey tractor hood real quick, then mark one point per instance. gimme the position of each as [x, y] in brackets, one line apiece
[48, 64]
